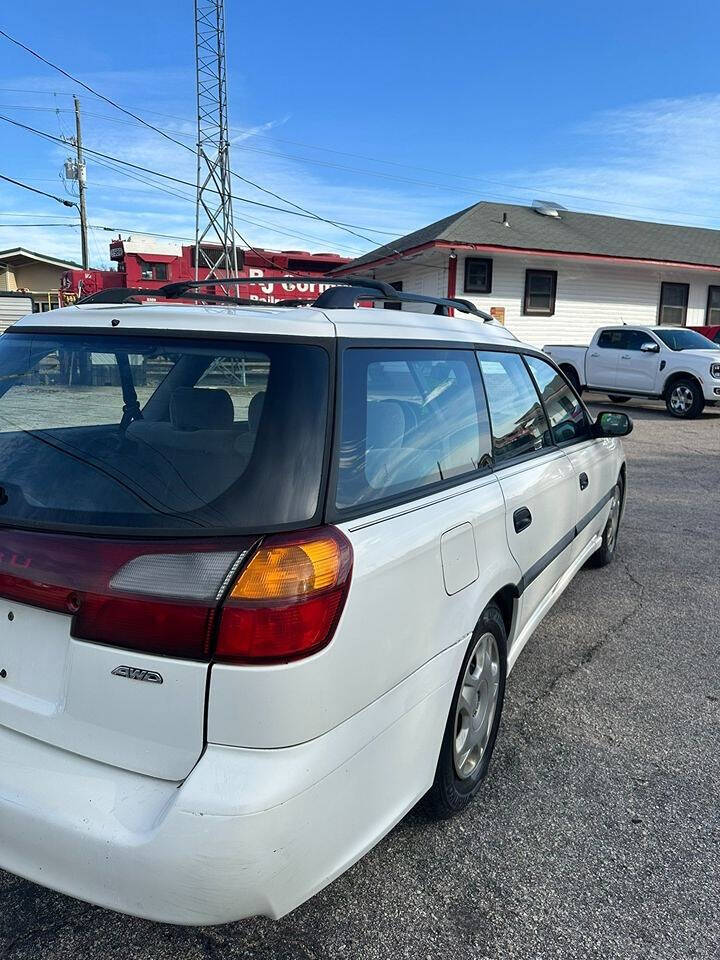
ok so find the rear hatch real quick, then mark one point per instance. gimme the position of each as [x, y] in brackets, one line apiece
[136, 475]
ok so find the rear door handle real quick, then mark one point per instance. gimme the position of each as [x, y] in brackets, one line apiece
[522, 518]
[626, 356]
[584, 481]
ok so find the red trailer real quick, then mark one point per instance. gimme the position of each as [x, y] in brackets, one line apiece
[144, 263]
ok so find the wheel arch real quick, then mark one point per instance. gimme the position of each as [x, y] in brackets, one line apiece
[506, 599]
[679, 375]
[571, 372]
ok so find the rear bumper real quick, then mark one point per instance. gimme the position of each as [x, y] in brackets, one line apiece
[249, 832]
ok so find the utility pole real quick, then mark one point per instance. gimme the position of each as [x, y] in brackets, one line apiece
[215, 248]
[81, 185]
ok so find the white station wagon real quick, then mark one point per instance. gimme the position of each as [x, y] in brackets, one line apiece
[263, 574]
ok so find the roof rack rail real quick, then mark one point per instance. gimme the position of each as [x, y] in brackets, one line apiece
[131, 295]
[343, 293]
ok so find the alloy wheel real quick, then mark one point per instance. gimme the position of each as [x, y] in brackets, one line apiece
[681, 398]
[476, 706]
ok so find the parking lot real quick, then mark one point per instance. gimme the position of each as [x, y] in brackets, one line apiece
[598, 830]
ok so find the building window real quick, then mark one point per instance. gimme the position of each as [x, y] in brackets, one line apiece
[540, 290]
[478, 275]
[712, 314]
[388, 304]
[150, 271]
[673, 304]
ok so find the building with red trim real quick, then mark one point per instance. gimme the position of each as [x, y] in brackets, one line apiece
[552, 274]
[150, 264]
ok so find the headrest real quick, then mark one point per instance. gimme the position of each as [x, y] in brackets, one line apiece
[385, 424]
[255, 410]
[197, 408]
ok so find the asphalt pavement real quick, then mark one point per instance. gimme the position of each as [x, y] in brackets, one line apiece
[597, 833]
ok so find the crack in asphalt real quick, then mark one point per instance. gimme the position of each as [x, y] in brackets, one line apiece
[590, 652]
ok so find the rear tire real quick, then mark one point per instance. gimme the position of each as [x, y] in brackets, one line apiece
[571, 374]
[614, 398]
[606, 553]
[474, 719]
[684, 399]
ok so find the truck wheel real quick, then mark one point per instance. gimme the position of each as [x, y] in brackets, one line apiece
[614, 398]
[684, 399]
[571, 374]
[474, 718]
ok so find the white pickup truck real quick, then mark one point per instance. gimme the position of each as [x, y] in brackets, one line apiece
[673, 364]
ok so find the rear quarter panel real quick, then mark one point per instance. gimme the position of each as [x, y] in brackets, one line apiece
[398, 617]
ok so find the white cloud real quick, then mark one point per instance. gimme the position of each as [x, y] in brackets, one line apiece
[654, 161]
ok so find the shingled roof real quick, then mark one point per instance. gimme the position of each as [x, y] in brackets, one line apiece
[571, 232]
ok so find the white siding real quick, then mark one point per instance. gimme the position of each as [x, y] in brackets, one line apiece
[590, 294]
[12, 308]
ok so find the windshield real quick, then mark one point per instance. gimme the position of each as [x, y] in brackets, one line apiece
[685, 340]
[158, 433]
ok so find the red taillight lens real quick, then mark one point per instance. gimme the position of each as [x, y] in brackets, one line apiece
[288, 598]
[158, 596]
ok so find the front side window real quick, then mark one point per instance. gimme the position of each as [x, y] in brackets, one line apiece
[540, 290]
[146, 271]
[673, 304]
[141, 434]
[712, 314]
[161, 271]
[478, 275]
[568, 421]
[409, 419]
[518, 423]
[636, 340]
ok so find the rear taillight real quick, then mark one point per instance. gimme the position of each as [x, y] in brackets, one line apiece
[287, 599]
[158, 596]
[167, 597]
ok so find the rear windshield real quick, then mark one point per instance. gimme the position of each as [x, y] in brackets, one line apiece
[149, 433]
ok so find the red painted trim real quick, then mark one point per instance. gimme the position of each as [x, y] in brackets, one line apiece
[524, 251]
[452, 276]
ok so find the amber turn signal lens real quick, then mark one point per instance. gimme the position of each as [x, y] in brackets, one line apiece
[288, 600]
[289, 571]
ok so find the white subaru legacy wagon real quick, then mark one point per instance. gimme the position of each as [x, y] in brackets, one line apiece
[263, 574]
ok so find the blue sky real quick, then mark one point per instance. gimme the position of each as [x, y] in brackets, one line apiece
[387, 115]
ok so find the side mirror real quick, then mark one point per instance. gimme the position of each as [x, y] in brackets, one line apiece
[650, 348]
[610, 424]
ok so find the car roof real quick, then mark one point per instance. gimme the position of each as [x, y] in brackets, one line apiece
[307, 322]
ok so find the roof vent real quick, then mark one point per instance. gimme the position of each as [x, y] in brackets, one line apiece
[547, 208]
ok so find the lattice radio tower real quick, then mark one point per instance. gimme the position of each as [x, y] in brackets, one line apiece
[214, 228]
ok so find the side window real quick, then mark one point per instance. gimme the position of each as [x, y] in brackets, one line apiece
[518, 422]
[634, 339]
[409, 418]
[568, 421]
[611, 340]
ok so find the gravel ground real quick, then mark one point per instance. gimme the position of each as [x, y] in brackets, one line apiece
[597, 833]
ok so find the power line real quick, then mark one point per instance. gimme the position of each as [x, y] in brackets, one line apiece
[25, 186]
[522, 189]
[172, 139]
[187, 183]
